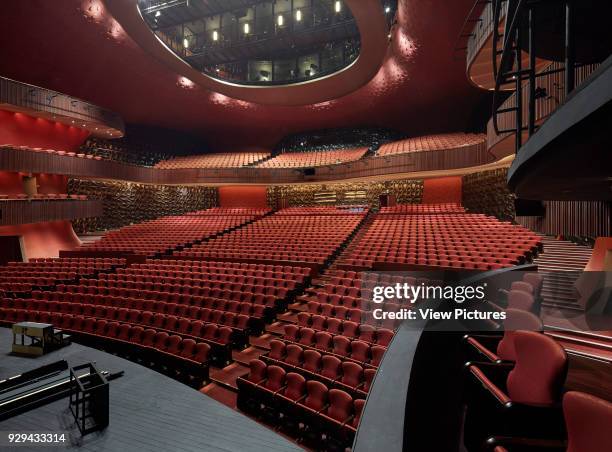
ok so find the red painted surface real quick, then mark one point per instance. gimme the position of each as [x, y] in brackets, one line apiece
[597, 262]
[440, 190]
[44, 239]
[420, 88]
[51, 183]
[10, 183]
[243, 196]
[23, 130]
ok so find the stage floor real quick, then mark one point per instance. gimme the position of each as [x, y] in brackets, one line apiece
[148, 411]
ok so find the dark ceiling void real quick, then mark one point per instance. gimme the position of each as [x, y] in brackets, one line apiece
[419, 88]
[259, 42]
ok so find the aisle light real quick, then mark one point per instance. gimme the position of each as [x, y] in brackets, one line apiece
[338, 6]
[185, 43]
[247, 28]
[280, 20]
[298, 15]
[215, 35]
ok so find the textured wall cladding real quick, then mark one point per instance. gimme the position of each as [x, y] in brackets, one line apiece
[407, 192]
[126, 203]
[487, 192]
[573, 218]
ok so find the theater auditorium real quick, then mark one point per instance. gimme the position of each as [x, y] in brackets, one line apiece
[321, 225]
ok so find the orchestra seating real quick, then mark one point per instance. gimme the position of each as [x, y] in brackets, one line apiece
[431, 143]
[164, 234]
[314, 411]
[300, 237]
[46, 272]
[403, 235]
[174, 351]
[230, 211]
[313, 158]
[221, 160]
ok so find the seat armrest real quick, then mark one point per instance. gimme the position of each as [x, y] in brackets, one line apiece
[497, 372]
[520, 444]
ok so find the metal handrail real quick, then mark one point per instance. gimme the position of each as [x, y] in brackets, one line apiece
[509, 29]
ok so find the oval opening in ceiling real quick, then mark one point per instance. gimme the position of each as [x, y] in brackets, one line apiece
[263, 43]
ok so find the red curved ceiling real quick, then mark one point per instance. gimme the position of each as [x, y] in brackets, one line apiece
[76, 47]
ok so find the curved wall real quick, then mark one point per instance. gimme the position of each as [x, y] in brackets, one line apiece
[43, 239]
[24, 130]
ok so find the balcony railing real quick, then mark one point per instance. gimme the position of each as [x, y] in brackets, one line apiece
[552, 94]
[17, 160]
[24, 211]
[483, 28]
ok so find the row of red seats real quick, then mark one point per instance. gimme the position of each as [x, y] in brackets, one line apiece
[431, 143]
[163, 319]
[313, 158]
[196, 287]
[324, 210]
[175, 294]
[229, 268]
[349, 374]
[306, 407]
[160, 340]
[365, 331]
[218, 338]
[230, 211]
[253, 310]
[265, 278]
[420, 209]
[343, 346]
[204, 280]
[440, 240]
[300, 238]
[220, 160]
[164, 234]
[26, 276]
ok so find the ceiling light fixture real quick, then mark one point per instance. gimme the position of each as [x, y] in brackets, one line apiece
[158, 13]
[215, 35]
[298, 15]
[247, 28]
[387, 9]
[338, 6]
[280, 20]
[185, 43]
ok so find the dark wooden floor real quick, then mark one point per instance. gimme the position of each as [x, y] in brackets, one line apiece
[149, 412]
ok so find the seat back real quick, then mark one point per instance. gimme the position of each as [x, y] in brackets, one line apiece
[519, 299]
[296, 386]
[358, 409]
[340, 405]
[317, 395]
[522, 285]
[516, 319]
[539, 373]
[257, 371]
[588, 420]
[536, 281]
[275, 378]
